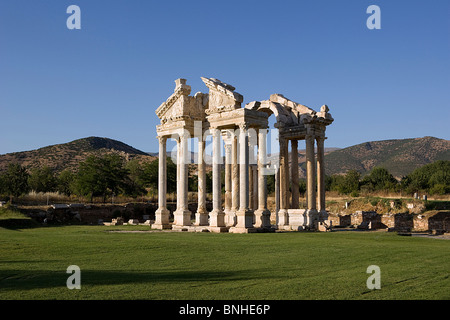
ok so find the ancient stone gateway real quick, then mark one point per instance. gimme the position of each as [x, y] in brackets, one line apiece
[242, 129]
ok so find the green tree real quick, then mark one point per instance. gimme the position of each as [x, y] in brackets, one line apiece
[101, 176]
[134, 183]
[351, 182]
[64, 182]
[2, 184]
[270, 183]
[15, 181]
[379, 179]
[42, 180]
[335, 182]
[151, 177]
[433, 178]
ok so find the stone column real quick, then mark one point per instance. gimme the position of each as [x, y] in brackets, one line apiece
[234, 181]
[262, 215]
[178, 174]
[284, 180]
[310, 181]
[162, 214]
[182, 215]
[294, 175]
[244, 215]
[277, 192]
[216, 216]
[321, 175]
[228, 182]
[251, 194]
[255, 187]
[201, 216]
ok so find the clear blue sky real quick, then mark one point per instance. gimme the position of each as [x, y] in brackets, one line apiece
[107, 79]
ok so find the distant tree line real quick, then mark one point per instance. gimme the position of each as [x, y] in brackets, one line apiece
[110, 175]
[433, 178]
[97, 176]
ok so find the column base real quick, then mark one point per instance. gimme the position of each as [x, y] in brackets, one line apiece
[283, 219]
[201, 218]
[217, 218]
[297, 219]
[160, 226]
[262, 218]
[242, 230]
[323, 215]
[230, 218]
[182, 217]
[244, 218]
[217, 229]
[200, 229]
[312, 218]
[161, 219]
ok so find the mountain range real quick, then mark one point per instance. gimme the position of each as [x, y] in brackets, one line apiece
[68, 155]
[399, 156]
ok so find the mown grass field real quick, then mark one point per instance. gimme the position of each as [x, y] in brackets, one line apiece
[169, 265]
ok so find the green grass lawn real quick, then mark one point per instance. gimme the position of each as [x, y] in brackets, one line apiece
[169, 265]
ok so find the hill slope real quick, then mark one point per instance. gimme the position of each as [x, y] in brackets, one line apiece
[68, 155]
[400, 156]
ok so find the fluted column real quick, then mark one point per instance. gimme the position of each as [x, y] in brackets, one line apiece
[284, 180]
[234, 181]
[182, 216]
[311, 177]
[262, 215]
[310, 173]
[243, 169]
[294, 175]
[244, 215]
[320, 174]
[216, 216]
[162, 214]
[228, 176]
[255, 187]
[178, 174]
[201, 216]
[277, 192]
[251, 188]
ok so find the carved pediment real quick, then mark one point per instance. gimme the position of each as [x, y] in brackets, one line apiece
[181, 89]
[181, 106]
[222, 96]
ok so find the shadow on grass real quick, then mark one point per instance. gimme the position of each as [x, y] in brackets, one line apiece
[41, 279]
[17, 224]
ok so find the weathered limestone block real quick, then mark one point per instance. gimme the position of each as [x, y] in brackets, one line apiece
[117, 222]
